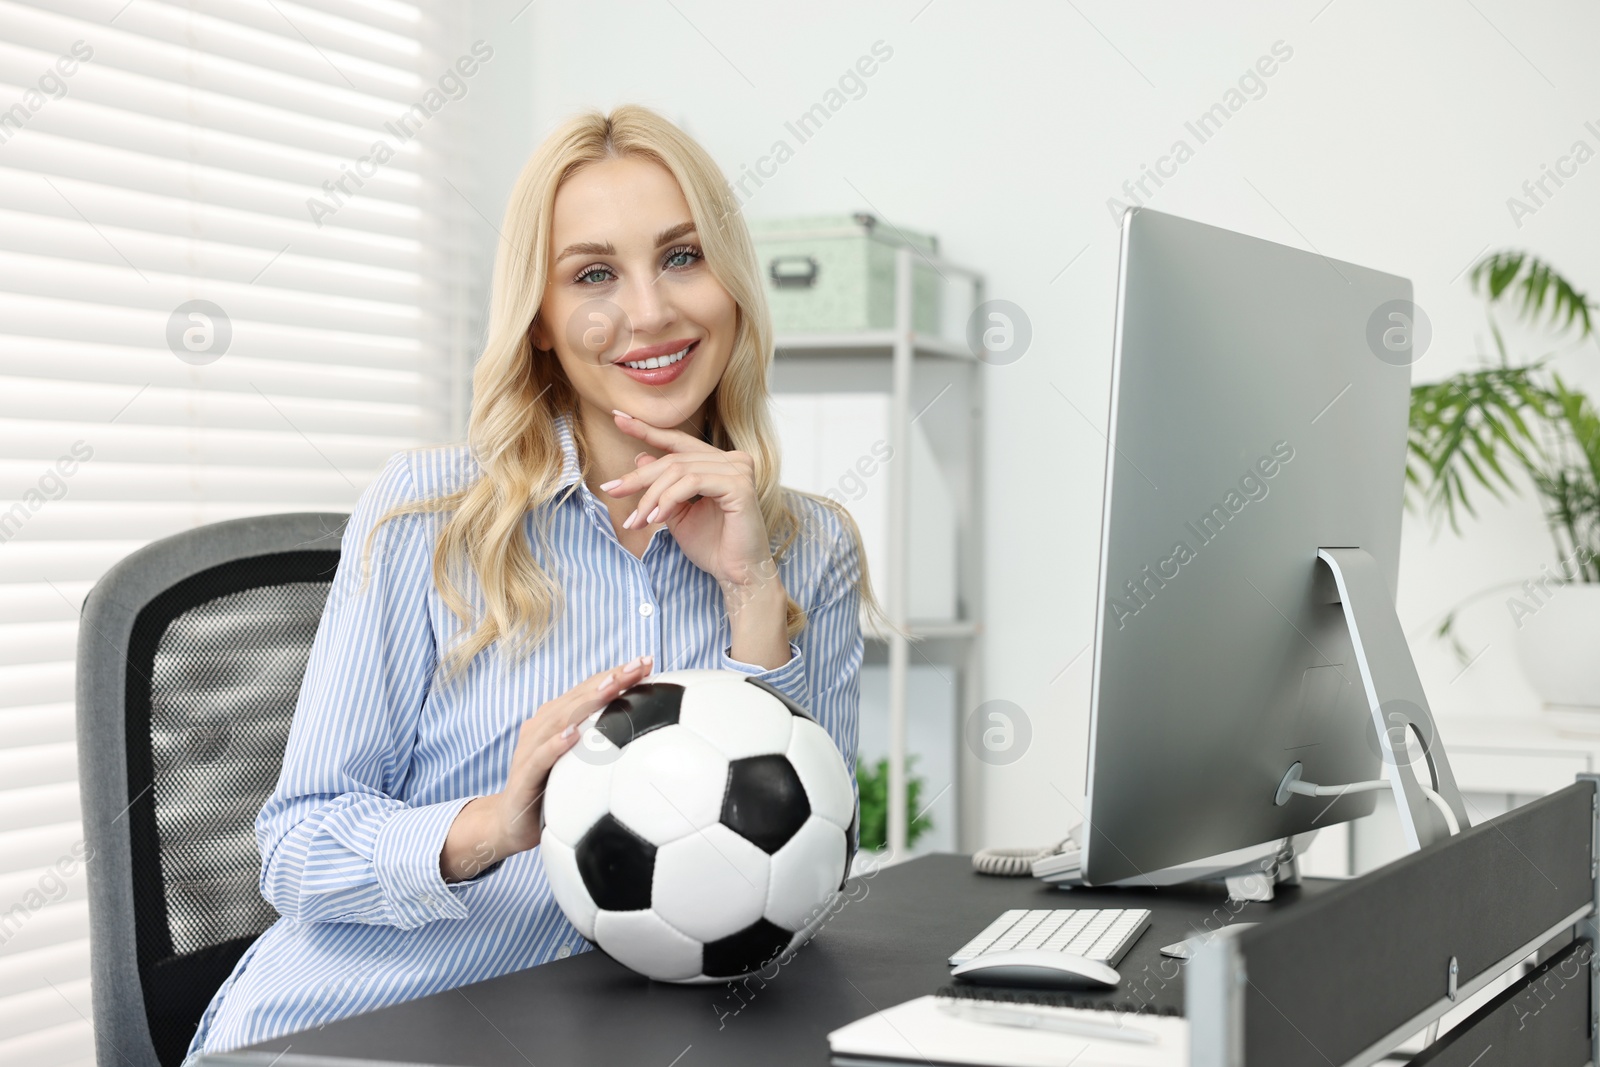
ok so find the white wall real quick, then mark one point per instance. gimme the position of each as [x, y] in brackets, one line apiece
[1391, 137]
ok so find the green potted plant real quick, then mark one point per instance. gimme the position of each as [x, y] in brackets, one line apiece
[874, 784]
[1477, 429]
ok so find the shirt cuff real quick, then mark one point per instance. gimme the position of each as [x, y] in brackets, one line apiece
[790, 677]
[406, 858]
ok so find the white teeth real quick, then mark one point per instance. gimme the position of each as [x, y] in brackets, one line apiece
[659, 361]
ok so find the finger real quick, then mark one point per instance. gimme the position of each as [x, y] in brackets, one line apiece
[647, 511]
[608, 684]
[591, 698]
[605, 691]
[677, 498]
[652, 477]
[555, 747]
[677, 465]
[660, 500]
[534, 770]
[583, 700]
[647, 468]
[672, 440]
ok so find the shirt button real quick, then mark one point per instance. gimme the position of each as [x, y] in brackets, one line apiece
[563, 952]
[647, 609]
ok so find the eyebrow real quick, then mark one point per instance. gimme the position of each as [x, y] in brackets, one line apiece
[592, 248]
[672, 233]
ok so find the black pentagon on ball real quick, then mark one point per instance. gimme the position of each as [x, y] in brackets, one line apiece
[850, 845]
[765, 802]
[637, 711]
[788, 701]
[617, 866]
[745, 951]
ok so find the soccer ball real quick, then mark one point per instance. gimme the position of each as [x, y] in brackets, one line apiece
[702, 825]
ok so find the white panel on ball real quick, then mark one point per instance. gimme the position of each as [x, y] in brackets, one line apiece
[667, 784]
[579, 788]
[561, 871]
[710, 884]
[738, 718]
[806, 872]
[816, 759]
[643, 941]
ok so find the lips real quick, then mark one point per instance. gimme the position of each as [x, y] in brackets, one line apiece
[668, 368]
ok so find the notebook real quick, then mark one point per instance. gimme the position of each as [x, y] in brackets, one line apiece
[920, 1031]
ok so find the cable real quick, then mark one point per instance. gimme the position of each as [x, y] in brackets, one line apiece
[1012, 862]
[1444, 809]
[1306, 789]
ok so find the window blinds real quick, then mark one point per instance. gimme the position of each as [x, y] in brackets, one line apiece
[215, 300]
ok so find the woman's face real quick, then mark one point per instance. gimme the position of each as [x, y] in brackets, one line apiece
[628, 283]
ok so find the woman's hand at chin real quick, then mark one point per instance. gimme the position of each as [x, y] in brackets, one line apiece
[490, 828]
[707, 498]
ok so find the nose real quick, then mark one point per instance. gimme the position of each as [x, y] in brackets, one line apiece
[649, 308]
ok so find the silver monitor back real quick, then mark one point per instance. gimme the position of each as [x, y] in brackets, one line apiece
[1252, 424]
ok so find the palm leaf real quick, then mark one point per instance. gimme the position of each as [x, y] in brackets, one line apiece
[1536, 288]
[1463, 427]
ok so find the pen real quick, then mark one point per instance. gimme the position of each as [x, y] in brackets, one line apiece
[1026, 1017]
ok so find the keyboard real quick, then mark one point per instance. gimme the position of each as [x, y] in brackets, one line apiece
[1100, 934]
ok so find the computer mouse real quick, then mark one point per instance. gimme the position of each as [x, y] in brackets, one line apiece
[1039, 968]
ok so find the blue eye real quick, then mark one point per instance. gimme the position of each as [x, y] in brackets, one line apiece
[684, 256]
[584, 278]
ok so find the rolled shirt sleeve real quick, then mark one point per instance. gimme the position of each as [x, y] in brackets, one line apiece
[337, 844]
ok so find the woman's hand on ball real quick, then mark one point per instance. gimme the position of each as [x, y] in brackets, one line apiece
[493, 827]
[545, 738]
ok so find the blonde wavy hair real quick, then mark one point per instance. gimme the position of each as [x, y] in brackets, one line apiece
[519, 392]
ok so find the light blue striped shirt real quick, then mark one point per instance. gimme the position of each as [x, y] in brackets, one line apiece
[384, 752]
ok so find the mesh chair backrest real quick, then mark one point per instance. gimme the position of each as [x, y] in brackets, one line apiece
[214, 671]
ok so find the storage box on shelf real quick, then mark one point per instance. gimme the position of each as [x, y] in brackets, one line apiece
[835, 273]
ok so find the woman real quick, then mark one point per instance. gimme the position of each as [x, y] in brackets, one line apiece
[615, 513]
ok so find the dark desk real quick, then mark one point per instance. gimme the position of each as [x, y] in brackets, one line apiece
[887, 943]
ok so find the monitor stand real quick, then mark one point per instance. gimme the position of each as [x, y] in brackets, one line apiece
[1250, 873]
[1399, 708]
[1394, 695]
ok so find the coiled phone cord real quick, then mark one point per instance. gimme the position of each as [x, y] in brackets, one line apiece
[1012, 862]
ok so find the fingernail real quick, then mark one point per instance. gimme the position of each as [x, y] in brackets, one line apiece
[624, 414]
[653, 513]
[571, 726]
[606, 487]
[627, 523]
[605, 683]
[648, 659]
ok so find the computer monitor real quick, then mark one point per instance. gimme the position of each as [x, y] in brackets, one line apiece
[1250, 546]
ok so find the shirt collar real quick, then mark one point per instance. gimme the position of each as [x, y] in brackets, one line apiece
[571, 471]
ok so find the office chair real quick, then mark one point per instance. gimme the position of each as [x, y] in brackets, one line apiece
[190, 656]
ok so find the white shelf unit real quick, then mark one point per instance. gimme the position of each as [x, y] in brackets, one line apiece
[939, 383]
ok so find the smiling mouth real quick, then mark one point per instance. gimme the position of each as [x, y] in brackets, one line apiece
[656, 362]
